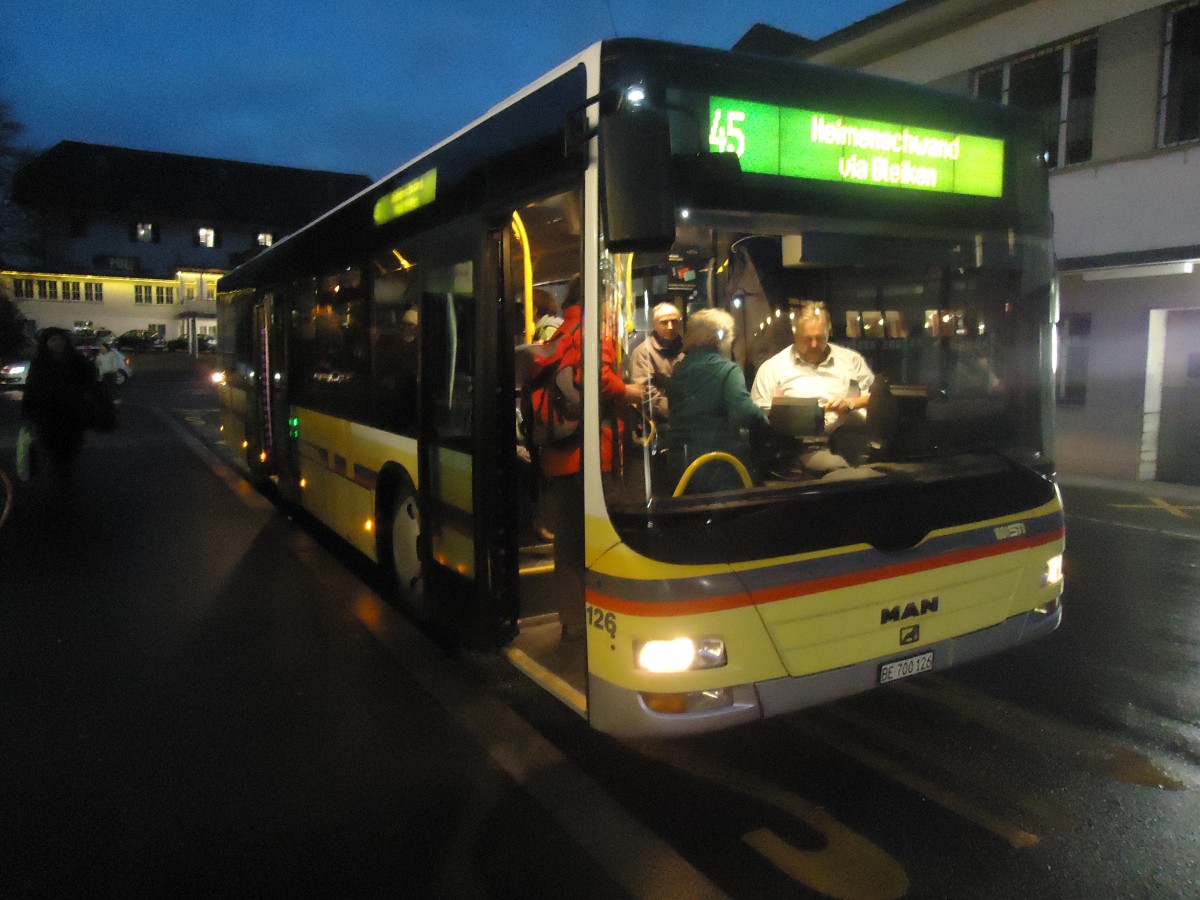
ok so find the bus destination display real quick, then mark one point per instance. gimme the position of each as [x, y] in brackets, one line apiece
[802, 143]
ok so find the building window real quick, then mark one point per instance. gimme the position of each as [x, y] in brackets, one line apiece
[189, 293]
[142, 293]
[1059, 86]
[164, 295]
[210, 290]
[47, 290]
[93, 292]
[1179, 109]
[145, 233]
[71, 291]
[265, 239]
[23, 288]
[207, 237]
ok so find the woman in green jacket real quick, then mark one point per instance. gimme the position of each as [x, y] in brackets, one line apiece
[711, 409]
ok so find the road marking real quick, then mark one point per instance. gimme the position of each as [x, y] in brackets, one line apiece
[1012, 834]
[1158, 503]
[847, 867]
[997, 794]
[1090, 752]
[1091, 520]
[630, 853]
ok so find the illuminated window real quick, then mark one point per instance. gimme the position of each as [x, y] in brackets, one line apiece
[1059, 86]
[266, 239]
[71, 291]
[207, 237]
[163, 295]
[93, 292]
[47, 290]
[23, 288]
[1179, 109]
[142, 293]
[145, 233]
[189, 293]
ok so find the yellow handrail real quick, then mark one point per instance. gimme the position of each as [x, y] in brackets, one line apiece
[699, 461]
[523, 237]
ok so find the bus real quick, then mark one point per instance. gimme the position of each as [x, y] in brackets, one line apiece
[371, 380]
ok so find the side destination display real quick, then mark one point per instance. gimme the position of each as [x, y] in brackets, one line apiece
[410, 196]
[804, 143]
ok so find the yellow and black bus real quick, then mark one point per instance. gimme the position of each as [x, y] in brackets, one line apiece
[371, 378]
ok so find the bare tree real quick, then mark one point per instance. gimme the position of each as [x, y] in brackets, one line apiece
[13, 230]
[15, 226]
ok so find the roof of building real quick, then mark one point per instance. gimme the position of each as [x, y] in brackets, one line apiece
[143, 183]
[766, 40]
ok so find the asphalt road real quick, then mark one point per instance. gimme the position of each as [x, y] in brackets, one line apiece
[190, 703]
[201, 696]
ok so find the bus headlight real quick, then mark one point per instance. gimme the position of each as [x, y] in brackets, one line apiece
[1053, 572]
[679, 655]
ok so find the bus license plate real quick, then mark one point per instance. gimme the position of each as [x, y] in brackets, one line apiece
[902, 668]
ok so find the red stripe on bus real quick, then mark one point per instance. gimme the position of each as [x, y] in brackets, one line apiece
[663, 609]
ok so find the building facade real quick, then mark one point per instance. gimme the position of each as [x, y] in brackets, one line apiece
[136, 240]
[1117, 84]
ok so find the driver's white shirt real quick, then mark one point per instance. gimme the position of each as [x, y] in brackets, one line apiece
[842, 373]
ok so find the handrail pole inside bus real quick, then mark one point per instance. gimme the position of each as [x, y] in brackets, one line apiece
[523, 237]
[647, 406]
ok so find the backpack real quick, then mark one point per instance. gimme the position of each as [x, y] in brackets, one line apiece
[551, 402]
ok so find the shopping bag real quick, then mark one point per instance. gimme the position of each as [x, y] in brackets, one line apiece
[25, 453]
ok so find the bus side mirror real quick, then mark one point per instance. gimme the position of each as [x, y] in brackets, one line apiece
[638, 202]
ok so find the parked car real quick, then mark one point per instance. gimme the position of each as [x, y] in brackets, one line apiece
[13, 374]
[205, 343]
[139, 341]
[111, 362]
[14, 369]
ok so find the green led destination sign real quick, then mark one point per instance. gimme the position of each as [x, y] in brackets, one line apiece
[410, 196]
[802, 143]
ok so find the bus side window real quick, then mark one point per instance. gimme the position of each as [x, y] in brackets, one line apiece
[449, 334]
[395, 345]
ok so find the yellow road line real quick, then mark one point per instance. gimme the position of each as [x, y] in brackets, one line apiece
[1012, 834]
[1177, 510]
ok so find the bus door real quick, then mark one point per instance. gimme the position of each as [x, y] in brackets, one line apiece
[261, 433]
[270, 448]
[457, 487]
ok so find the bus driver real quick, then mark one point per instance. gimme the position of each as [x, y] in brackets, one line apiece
[812, 367]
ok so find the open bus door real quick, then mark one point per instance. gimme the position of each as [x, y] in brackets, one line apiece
[269, 449]
[464, 539]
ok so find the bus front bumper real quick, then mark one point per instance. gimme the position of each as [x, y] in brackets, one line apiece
[622, 711]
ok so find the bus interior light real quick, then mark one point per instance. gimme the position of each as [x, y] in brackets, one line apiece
[635, 95]
[680, 655]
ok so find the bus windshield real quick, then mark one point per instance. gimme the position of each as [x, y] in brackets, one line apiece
[953, 327]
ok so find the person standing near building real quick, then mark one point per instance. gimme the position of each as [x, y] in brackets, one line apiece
[62, 400]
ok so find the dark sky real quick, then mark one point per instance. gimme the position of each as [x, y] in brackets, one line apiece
[349, 85]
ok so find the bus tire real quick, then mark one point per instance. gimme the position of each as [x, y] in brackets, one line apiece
[408, 564]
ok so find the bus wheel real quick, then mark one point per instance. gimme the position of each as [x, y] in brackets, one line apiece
[407, 566]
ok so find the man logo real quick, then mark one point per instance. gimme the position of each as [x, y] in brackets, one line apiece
[910, 634]
[908, 611]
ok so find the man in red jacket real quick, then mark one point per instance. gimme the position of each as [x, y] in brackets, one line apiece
[560, 463]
